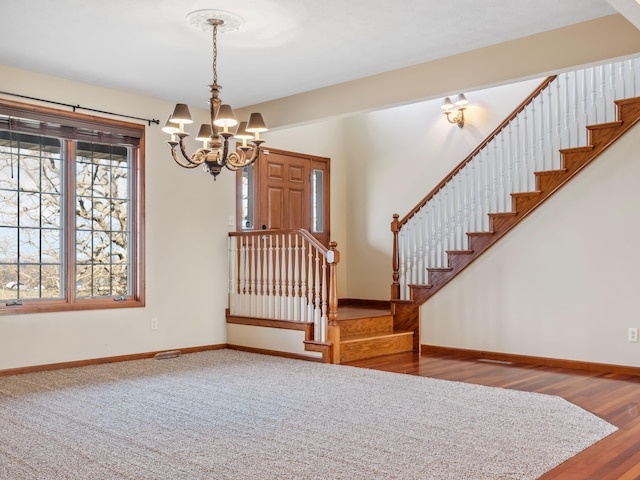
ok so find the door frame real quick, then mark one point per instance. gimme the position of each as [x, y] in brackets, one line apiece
[315, 163]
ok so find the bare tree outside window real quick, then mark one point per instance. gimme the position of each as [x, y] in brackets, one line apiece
[30, 217]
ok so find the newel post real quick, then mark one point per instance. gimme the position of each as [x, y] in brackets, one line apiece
[395, 286]
[333, 328]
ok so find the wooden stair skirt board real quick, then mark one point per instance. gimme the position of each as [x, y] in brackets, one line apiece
[547, 183]
[371, 335]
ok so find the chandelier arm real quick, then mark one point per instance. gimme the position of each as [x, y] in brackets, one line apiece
[234, 167]
[174, 154]
[195, 159]
[239, 161]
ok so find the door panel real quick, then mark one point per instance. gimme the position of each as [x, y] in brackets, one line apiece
[297, 207]
[274, 208]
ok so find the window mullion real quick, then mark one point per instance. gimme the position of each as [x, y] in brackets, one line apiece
[69, 235]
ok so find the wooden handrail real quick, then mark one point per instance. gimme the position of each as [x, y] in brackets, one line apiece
[484, 143]
[310, 238]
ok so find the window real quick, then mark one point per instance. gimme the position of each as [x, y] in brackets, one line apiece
[246, 195]
[71, 219]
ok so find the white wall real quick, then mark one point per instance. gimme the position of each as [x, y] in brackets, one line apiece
[564, 283]
[186, 272]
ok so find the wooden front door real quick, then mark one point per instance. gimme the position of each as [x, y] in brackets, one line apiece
[285, 190]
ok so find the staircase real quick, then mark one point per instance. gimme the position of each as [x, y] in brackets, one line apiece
[366, 333]
[547, 183]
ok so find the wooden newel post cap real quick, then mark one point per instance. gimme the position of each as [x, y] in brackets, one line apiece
[333, 255]
[394, 223]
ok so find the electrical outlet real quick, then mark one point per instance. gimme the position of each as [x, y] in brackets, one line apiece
[633, 334]
[154, 324]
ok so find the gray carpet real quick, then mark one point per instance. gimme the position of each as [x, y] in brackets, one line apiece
[233, 415]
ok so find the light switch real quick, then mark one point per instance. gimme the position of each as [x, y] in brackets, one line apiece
[231, 221]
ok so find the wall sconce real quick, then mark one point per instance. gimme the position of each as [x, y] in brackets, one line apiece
[460, 103]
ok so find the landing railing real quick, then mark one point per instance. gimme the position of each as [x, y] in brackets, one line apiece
[553, 117]
[283, 275]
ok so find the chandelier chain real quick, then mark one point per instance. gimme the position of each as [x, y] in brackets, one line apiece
[215, 54]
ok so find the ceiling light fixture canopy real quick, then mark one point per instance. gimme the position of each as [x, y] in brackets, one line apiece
[459, 104]
[215, 154]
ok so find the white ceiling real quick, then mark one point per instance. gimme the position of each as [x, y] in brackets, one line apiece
[284, 46]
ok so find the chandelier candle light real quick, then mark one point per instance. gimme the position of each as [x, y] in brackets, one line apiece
[215, 136]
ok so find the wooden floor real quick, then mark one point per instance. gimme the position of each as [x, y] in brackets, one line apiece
[613, 397]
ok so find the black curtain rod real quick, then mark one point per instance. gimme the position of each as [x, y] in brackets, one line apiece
[78, 107]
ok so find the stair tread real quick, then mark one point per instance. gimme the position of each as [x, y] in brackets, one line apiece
[376, 335]
[614, 124]
[352, 313]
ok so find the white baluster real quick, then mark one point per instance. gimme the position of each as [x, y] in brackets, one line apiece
[592, 114]
[514, 147]
[575, 116]
[634, 77]
[532, 146]
[290, 280]
[433, 236]
[310, 284]
[459, 212]
[496, 169]
[277, 274]
[295, 265]
[318, 312]
[552, 146]
[420, 264]
[402, 279]
[506, 173]
[233, 267]
[325, 303]
[446, 223]
[252, 277]
[601, 99]
[584, 110]
[270, 313]
[259, 280]
[486, 185]
[303, 280]
[525, 168]
[413, 248]
[441, 232]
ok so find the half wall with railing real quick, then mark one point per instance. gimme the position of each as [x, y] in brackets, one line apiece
[283, 275]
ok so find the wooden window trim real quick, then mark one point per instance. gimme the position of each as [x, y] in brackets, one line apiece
[137, 216]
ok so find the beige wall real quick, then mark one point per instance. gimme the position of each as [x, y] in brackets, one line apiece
[564, 283]
[186, 215]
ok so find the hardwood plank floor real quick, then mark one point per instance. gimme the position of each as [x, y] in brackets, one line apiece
[613, 397]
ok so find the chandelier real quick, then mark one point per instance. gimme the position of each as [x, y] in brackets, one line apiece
[215, 153]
